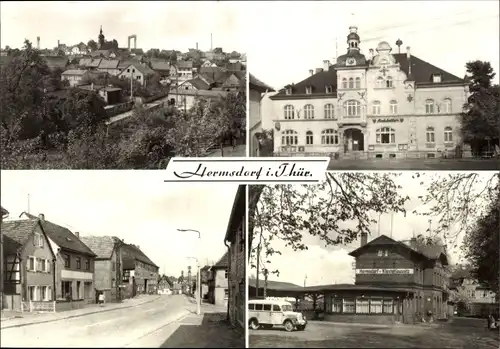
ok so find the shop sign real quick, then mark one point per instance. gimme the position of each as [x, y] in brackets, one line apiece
[376, 121]
[385, 271]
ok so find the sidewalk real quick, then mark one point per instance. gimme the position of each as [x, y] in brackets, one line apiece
[25, 319]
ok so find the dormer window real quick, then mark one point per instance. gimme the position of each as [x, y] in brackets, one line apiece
[436, 78]
[308, 90]
[288, 91]
[329, 89]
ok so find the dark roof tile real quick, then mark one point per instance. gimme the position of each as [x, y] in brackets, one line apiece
[18, 231]
[257, 85]
[223, 262]
[102, 246]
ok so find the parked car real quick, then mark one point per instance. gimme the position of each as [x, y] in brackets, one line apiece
[268, 313]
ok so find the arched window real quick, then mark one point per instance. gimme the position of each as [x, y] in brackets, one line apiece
[388, 82]
[429, 106]
[329, 136]
[358, 83]
[289, 137]
[447, 105]
[351, 83]
[309, 111]
[344, 83]
[448, 134]
[329, 111]
[394, 107]
[289, 112]
[376, 107]
[380, 82]
[352, 109]
[309, 138]
[429, 134]
[386, 135]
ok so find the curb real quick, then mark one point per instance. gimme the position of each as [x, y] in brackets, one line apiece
[78, 315]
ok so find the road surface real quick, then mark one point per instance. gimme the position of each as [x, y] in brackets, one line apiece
[117, 328]
[460, 333]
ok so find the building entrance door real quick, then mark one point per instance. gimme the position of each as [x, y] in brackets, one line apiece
[353, 140]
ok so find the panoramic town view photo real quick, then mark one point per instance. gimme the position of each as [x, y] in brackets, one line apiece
[375, 260]
[125, 87]
[93, 265]
[376, 95]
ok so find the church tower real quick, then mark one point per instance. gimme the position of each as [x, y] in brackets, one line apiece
[101, 38]
[353, 39]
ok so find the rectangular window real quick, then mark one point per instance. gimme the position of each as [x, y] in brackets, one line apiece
[349, 306]
[78, 263]
[113, 266]
[225, 274]
[87, 264]
[337, 305]
[376, 306]
[67, 261]
[47, 265]
[226, 293]
[267, 307]
[251, 306]
[259, 307]
[78, 284]
[276, 307]
[376, 109]
[32, 293]
[31, 264]
[362, 306]
[66, 290]
[43, 293]
[388, 306]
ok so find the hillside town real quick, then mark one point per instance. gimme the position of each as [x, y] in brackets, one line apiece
[130, 93]
[51, 273]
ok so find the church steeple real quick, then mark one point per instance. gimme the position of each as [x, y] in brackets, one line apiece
[101, 38]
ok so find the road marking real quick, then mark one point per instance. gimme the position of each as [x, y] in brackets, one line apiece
[106, 321]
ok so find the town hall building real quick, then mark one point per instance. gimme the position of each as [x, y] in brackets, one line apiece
[382, 105]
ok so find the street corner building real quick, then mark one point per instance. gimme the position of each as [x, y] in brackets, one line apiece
[384, 105]
[140, 273]
[47, 267]
[236, 268]
[257, 91]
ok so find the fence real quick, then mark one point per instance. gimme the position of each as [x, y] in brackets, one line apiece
[40, 307]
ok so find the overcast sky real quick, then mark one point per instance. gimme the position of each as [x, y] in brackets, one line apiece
[164, 25]
[136, 206]
[328, 265]
[289, 39]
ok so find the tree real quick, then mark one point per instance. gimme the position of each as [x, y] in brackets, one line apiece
[481, 116]
[114, 44]
[287, 212]
[92, 45]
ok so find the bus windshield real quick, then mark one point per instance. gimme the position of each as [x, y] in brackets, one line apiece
[286, 307]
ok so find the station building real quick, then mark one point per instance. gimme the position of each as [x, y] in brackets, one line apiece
[381, 105]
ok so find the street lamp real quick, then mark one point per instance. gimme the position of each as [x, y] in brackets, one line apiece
[198, 278]
[198, 296]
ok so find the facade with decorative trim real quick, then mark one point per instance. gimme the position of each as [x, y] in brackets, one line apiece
[383, 105]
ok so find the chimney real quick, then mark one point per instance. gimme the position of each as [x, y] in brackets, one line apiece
[326, 65]
[319, 70]
[38, 42]
[408, 55]
[57, 43]
[77, 234]
[311, 72]
[41, 217]
[364, 239]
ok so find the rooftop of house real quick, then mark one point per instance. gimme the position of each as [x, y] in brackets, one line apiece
[199, 84]
[144, 69]
[200, 93]
[275, 285]
[131, 253]
[102, 246]
[235, 66]
[421, 72]
[257, 85]
[62, 236]
[222, 263]
[74, 72]
[109, 64]
[16, 234]
[4, 211]
[54, 62]
[160, 65]
[237, 213]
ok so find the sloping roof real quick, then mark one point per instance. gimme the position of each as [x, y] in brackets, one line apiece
[134, 252]
[94, 63]
[235, 66]
[109, 64]
[125, 63]
[421, 72]
[223, 263]
[74, 72]
[383, 240]
[85, 62]
[200, 93]
[199, 84]
[4, 211]
[160, 65]
[237, 213]
[275, 285]
[144, 69]
[185, 64]
[102, 246]
[257, 85]
[63, 237]
[19, 232]
[54, 62]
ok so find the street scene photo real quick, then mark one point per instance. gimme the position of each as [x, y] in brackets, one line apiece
[416, 92]
[375, 260]
[121, 259]
[126, 87]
